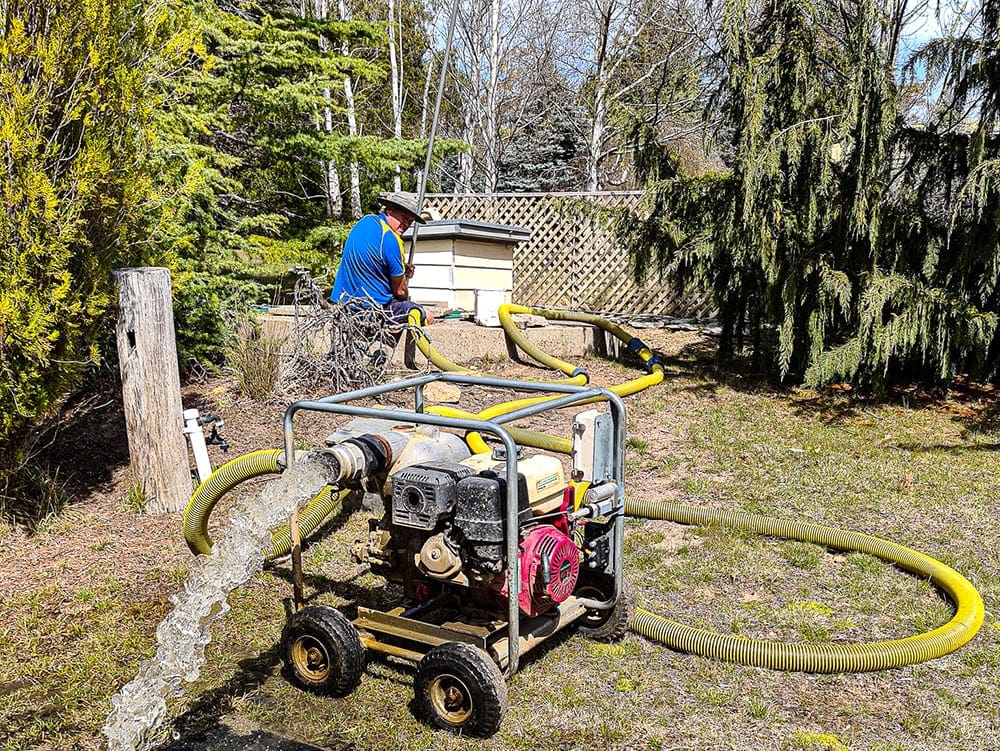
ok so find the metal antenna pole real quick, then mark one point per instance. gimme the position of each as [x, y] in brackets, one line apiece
[422, 185]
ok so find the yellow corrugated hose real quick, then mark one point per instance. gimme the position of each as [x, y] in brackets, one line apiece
[814, 658]
[236, 471]
[424, 345]
[504, 313]
[575, 375]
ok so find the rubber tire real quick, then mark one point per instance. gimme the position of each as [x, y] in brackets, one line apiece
[608, 625]
[325, 634]
[457, 667]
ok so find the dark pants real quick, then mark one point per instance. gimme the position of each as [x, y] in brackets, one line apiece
[399, 311]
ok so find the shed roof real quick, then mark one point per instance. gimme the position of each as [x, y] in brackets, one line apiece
[467, 228]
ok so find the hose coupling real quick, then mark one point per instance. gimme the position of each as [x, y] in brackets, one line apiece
[654, 362]
[599, 500]
[355, 458]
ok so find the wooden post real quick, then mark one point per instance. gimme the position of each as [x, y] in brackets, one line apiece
[151, 387]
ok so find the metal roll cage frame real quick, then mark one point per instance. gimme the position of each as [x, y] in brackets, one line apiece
[570, 395]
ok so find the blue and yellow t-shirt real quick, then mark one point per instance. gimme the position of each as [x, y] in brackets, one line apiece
[373, 253]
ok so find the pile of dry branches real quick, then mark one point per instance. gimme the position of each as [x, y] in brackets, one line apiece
[336, 347]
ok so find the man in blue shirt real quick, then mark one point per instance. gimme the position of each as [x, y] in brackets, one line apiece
[373, 270]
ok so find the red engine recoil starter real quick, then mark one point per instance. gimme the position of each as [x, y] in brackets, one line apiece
[550, 567]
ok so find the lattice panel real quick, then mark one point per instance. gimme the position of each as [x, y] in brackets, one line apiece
[571, 261]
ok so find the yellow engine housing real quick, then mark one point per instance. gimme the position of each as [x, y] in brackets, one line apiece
[543, 474]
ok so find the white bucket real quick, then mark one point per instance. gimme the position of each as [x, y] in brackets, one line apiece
[488, 302]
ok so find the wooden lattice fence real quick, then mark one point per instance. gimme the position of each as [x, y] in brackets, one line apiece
[572, 260]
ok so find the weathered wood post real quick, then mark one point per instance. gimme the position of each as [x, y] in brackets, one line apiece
[151, 387]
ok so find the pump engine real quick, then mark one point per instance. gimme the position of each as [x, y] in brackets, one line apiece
[444, 525]
[495, 552]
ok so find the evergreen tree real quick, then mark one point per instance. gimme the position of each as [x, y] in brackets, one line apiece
[544, 152]
[831, 229]
[245, 148]
[262, 80]
[76, 83]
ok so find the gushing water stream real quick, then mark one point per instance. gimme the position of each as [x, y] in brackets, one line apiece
[141, 706]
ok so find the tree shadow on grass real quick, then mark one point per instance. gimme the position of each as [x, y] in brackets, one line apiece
[918, 448]
[200, 728]
[72, 455]
[975, 406]
[219, 737]
[831, 406]
[978, 407]
[972, 406]
[698, 361]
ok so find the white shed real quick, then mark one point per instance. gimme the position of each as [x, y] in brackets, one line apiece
[456, 258]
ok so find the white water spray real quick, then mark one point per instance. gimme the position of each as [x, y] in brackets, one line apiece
[141, 706]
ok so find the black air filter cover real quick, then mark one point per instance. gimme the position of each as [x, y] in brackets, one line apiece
[480, 512]
[424, 494]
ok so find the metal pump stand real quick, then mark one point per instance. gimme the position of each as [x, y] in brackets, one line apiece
[401, 623]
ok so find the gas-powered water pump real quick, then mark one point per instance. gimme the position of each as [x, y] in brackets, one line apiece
[495, 552]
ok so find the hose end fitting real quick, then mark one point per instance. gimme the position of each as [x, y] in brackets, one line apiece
[355, 458]
[655, 362]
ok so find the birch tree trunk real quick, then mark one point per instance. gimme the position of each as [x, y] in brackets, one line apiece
[471, 61]
[352, 122]
[331, 181]
[491, 133]
[425, 113]
[463, 181]
[425, 101]
[396, 80]
[334, 196]
[600, 103]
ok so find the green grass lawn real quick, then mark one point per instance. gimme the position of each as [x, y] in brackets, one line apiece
[925, 477]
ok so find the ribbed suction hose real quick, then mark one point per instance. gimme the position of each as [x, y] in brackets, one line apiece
[236, 471]
[814, 658]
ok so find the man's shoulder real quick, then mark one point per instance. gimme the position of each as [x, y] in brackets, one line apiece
[367, 222]
[367, 229]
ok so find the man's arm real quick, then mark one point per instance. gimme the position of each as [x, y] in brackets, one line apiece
[400, 288]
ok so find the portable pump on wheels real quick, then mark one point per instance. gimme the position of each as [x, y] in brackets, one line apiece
[494, 552]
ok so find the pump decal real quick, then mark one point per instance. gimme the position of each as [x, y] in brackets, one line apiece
[546, 481]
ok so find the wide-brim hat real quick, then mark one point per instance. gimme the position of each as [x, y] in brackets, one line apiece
[402, 200]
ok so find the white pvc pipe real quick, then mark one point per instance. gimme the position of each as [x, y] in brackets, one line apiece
[192, 429]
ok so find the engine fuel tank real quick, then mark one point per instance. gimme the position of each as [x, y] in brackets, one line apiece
[543, 476]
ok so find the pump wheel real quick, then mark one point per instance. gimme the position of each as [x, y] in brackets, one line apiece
[459, 688]
[322, 650]
[606, 625]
